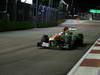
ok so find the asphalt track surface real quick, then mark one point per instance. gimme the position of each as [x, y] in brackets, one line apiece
[20, 56]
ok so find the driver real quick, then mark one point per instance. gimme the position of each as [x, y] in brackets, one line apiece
[65, 31]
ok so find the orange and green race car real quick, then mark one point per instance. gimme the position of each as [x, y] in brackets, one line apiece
[67, 41]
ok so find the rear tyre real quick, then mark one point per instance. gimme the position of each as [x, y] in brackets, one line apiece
[80, 39]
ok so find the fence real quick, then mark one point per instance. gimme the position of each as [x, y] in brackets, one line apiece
[34, 13]
[46, 14]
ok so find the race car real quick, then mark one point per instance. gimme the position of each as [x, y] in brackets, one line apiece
[68, 41]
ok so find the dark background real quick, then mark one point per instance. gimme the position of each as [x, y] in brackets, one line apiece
[84, 5]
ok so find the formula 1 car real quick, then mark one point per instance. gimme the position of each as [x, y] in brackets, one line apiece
[69, 41]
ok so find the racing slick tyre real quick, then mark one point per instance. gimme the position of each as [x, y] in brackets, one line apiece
[44, 39]
[77, 40]
[39, 44]
[80, 39]
[74, 42]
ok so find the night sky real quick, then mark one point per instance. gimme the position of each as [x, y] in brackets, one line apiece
[85, 5]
